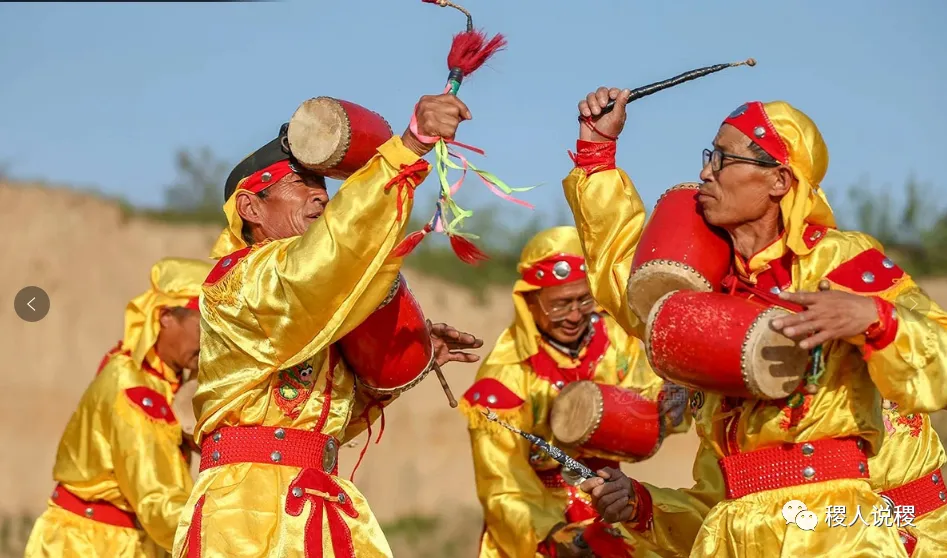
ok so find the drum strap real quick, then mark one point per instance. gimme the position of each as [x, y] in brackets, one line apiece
[737, 286]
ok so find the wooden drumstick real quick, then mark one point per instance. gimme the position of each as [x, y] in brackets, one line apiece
[445, 385]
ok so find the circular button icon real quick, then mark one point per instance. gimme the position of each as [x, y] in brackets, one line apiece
[31, 304]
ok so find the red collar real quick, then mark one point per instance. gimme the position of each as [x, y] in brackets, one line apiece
[546, 367]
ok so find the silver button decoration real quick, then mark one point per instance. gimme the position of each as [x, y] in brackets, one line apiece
[476, 396]
[276, 457]
[216, 436]
[904, 540]
[861, 467]
[88, 512]
[215, 456]
[297, 492]
[868, 277]
[860, 444]
[560, 384]
[942, 496]
[774, 290]
[227, 262]
[935, 478]
[808, 449]
[816, 235]
[341, 498]
[561, 270]
[266, 177]
[808, 472]
[582, 268]
[887, 263]
[759, 131]
[279, 433]
[147, 402]
[540, 274]
[492, 399]
[55, 494]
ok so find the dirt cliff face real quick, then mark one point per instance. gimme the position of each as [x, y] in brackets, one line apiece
[91, 260]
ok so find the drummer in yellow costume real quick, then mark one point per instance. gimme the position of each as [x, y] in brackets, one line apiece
[761, 184]
[122, 478]
[275, 400]
[556, 338]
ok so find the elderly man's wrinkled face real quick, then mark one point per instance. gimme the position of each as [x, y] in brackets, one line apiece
[562, 312]
[179, 341]
[740, 185]
[286, 208]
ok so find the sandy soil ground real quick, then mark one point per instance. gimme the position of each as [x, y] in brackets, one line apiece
[91, 261]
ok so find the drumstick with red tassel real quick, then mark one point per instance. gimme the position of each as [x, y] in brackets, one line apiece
[469, 51]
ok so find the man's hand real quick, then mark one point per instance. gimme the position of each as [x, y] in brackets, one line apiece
[674, 402]
[829, 315]
[451, 345]
[613, 500]
[610, 124]
[437, 116]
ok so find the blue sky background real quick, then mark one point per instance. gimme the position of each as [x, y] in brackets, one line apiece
[101, 95]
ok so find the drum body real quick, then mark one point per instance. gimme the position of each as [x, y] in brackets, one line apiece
[335, 138]
[391, 351]
[723, 344]
[183, 406]
[678, 250]
[607, 421]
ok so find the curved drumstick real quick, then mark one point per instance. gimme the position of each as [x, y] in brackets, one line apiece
[646, 90]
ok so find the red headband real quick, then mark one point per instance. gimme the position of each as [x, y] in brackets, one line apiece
[555, 270]
[266, 177]
[193, 304]
[751, 119]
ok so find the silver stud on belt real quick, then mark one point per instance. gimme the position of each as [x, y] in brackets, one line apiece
[279, 433]
[809, 472]
[808, 449]
[215, 456]
[88, 512]
[216, 436]
[935, 478]
[861, 467]
[276, 457]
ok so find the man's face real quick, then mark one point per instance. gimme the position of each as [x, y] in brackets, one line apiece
[562, 312]
[287, 208]
[180, 338]
[741, 191]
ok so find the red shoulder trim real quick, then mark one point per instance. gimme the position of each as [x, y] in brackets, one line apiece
[813, 235]
[868, 272]
[152, 403]
[490, 392]
[225, 264]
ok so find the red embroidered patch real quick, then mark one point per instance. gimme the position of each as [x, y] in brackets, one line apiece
[225, 264]
[914, 422]
[490, 392]
[867, 273]
[152, 403]
[293, 388]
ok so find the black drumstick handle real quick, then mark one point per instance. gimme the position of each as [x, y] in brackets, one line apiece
[652, 88]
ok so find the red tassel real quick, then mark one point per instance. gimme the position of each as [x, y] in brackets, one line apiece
[605, 544]
[467, 251]
[468, 50]
[410, 242]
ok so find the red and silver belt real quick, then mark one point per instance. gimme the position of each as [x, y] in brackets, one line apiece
[103, 512]
[272, 445]
[793, 465]
[926, 494]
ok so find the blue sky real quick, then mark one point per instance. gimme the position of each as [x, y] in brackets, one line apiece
[101, 95]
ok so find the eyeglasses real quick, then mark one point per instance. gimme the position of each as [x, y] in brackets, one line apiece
[561, 312]
[715, 158]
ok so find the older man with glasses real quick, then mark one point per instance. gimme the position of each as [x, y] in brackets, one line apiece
[556, 338]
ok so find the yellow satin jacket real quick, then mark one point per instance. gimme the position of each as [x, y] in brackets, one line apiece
[910, 370]
[271, 313]
[517, 485]
[121, 446]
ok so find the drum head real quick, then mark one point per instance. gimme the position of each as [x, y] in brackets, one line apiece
[657, 278]
[183, 406]
[576, 412]
[319, 133]
[774, 365]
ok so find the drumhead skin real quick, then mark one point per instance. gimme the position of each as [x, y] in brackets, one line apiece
[723, 344]
[319, 133]
[576, 413]
[183, 406]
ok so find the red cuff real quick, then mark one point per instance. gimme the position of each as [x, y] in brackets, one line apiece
[645, 508]
[881, 333]
[594, 156]
[546, 548]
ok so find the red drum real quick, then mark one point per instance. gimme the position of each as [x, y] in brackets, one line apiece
[723, 344]
[678, 250]
[391, 351]
[607, 421]
[335, 138]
